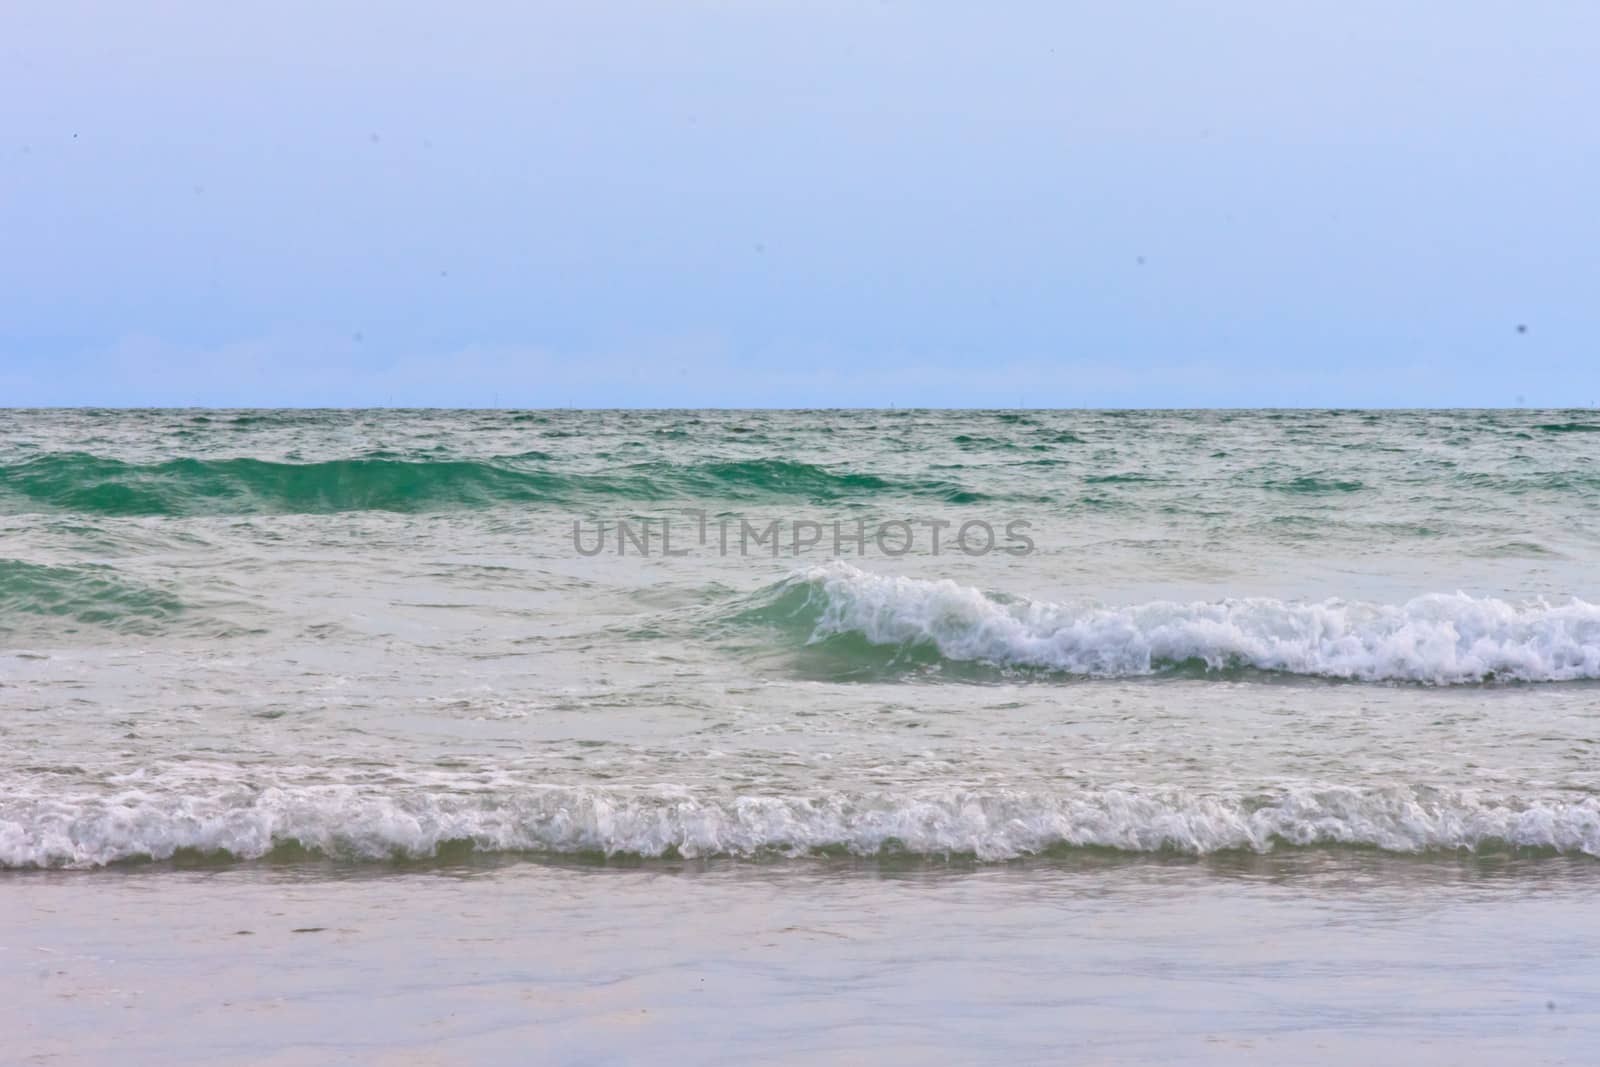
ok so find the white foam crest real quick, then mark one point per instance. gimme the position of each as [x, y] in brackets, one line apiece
[360, 823]
[1438, 639]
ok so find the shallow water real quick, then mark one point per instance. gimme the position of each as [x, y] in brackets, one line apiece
[374, 634]
[1310, 958]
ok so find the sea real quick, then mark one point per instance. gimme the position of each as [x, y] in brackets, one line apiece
[799, 736]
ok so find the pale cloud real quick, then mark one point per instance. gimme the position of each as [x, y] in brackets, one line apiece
[692, 371]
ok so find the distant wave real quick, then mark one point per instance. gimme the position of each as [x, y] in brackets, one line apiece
[1437, 639]
[80, 482]
[363, 824]
[75, 481]
[1568, 427]
[1311, 484]
[89, 594]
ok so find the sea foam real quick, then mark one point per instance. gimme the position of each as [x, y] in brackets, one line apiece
[1440, 639]
[366, 824]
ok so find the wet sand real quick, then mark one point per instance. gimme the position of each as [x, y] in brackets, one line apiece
[1307, 959]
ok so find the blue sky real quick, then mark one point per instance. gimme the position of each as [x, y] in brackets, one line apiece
[797, 204]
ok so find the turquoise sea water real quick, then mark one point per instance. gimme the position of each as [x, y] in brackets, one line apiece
[376, 637]
[729, 737]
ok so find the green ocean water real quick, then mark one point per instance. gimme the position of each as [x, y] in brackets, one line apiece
[372, 637]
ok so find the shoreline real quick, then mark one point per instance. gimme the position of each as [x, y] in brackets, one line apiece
[1320, 960]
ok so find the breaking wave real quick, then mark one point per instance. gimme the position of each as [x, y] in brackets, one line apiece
[359, 823]
[1439, 639]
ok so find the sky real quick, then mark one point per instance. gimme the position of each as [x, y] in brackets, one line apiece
[797, 204]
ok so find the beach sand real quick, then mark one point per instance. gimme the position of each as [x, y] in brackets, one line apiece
[1295, 958]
